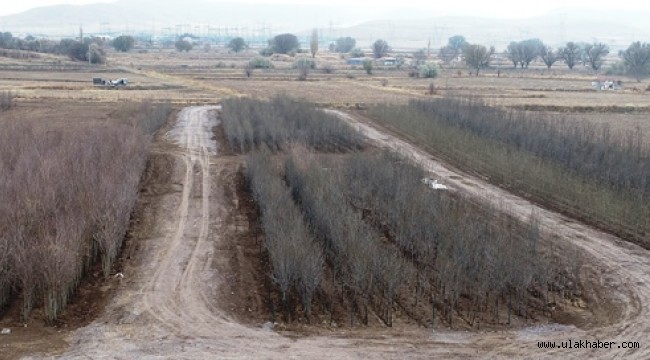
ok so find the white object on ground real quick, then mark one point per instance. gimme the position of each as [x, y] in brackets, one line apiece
[5, 331]
[434, 184]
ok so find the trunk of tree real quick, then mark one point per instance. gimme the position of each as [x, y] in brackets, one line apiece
[509, 306]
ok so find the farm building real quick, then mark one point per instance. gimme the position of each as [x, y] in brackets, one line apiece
[387, 61]
[356, 61]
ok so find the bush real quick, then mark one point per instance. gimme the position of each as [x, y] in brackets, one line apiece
[123, 43]
[303, 63]
[428, 70]
[367, 66]
[260, 63]
[328, 69]
[344, 44]
[284, 44]
[183, 45]
[237, 44]
[618, 68]
[357, 53]
[266, 52]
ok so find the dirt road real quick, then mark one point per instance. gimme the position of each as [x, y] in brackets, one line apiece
[168, 305]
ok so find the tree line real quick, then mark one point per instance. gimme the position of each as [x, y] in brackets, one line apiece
[580, 167]
[66, 195]
[83, 49]
[370, 237]
[359, 231]
[274, 125]
[296, 259]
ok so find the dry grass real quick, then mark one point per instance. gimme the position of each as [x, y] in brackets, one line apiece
[200, 77]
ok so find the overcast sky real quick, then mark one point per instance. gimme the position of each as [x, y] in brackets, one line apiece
[501, 8]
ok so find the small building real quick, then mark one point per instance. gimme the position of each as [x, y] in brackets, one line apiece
[387, 61]
[356, 61]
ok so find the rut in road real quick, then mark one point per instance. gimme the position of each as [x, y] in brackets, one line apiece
[172, 296]
[167, 309]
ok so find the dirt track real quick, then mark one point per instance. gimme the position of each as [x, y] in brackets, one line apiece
[168, 307]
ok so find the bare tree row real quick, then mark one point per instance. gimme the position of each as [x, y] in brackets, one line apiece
[252, 124]
[460, 250]
[363, 266]
[66, 196]
[296, 259]
[603, 175]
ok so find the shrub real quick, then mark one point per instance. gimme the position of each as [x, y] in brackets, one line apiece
[123, 43]
[367, 66]
[357, 53]
[344, 45]
[260, 63]
[303, 63]
[428, 70]
[328, 69]
[284, 44]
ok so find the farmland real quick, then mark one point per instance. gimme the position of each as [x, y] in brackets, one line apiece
[253, 217]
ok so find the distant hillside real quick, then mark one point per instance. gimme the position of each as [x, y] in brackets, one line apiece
[618, 29]
[408, 28]
[186, 15]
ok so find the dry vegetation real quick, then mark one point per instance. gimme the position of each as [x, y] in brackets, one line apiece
[252, 124]
[359, 234]
[587, 170]
[66, 196]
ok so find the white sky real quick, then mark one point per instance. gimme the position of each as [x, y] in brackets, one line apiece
[500, 8]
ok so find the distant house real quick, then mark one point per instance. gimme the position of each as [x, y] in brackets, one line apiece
[387, 61]
[356, 61]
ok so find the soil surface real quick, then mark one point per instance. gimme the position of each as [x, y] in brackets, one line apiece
[176, 302]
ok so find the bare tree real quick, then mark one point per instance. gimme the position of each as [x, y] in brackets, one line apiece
[571, 54]
[380, 48]
[478, 56]
[237, 44]
[524, 52]
[448, 54]
[637, 60]
[549, 56]
[313, 45]
[420, 56]
[345, 44]
[595, 54]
